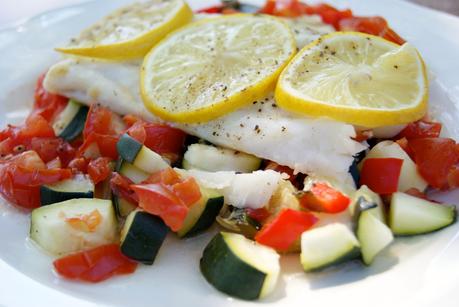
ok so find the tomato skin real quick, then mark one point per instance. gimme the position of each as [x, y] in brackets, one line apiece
[121, 187]
[187, 191]
[211, 10]
[99, 169]
[435, 158]
[169, 196]
[46, 104]
[36, 134]
[323, 198]
[453, 177]
[285, 229]
[22, 175]
[416, 193]
[101, 131]
[371, 25]
[95, 265]
[420, 129]
[157, 200]
[162, 139]
[259, 214]
[381, 175]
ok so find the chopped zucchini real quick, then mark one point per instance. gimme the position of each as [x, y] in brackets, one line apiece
[74, 225]
[69, 124]
[202, 214]
[130, 171]
[410, 215]
[364, 194]
[139, 155]
[409, 175]
[240, 267]
[371, 231]
[142, 236]
[122, 206]
[80, 186]
[328, 245]
[214, 159]
[237, 220]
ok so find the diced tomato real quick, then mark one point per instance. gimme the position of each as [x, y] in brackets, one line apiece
[420, 129]
[55, 163]
[99, 145]
[167, 195]
[158, 200]
[435, 158]
[229, 11]
[381, 175]
[99, 169]
[371, 25]
[453, 177]
[259, 214]
[285, 8]
[46, 104]
[211, 10]
[101, 133]
[285, 229]
[323, 198]
[416, 193]
[87, 222]
[36, 134]
[341, 20]
[22, 175]
[79, 165]
[131, 119]
[363, 135]
[187, 191]
[162, 139]
[121, 187]
[95, 265]
[51, 148]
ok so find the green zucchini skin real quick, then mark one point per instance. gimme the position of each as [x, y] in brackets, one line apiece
[76, 126]
[143, 237]
[207, 218]
[49, 196]
[128, 148]
[229, 274]
[80, 186]
[122, 207]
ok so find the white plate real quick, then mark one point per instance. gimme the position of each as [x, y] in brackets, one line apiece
[419, 271]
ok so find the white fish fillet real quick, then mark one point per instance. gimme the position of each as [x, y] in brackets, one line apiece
[312, 146]
[248, 190]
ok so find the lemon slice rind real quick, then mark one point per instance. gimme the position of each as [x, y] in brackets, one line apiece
[135, 45]
[292, 98]
[191, 107]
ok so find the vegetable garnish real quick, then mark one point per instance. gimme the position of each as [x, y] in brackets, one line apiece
[285, 229]
[107, 181]
[381, 175]
[323, 198]
[95, 265]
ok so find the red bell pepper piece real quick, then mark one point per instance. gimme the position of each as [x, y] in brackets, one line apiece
[285, 229]
[381, 175]
[323, 198]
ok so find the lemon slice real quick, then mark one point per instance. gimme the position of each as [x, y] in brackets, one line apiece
[356, 78]
[214, 66]
[131, 31]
